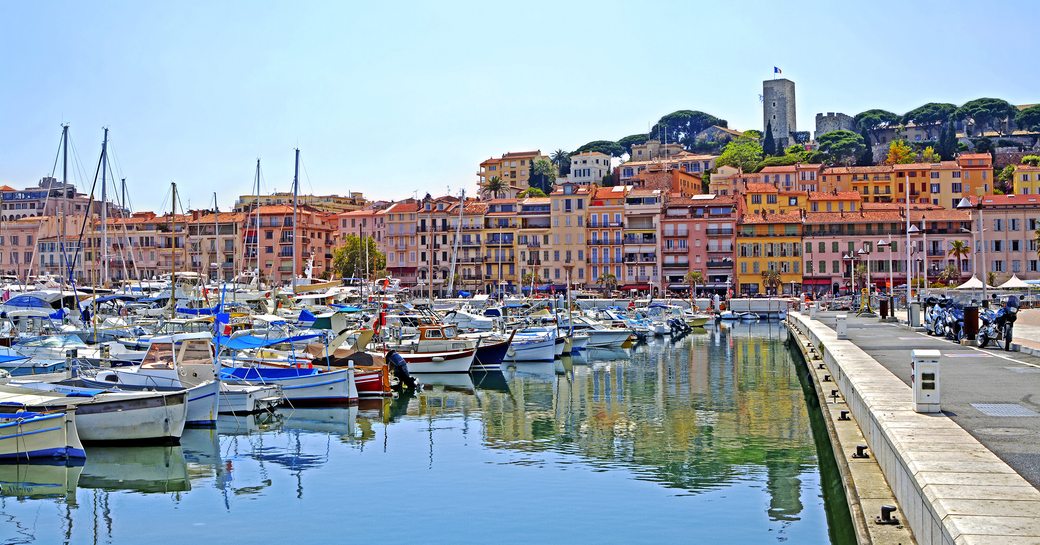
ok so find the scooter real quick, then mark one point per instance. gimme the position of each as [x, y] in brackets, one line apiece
[954, 317]
[999, 325]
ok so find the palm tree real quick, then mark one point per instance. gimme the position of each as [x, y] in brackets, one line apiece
[562, 160]
[493, 186]
[959, 250]
[771, 279]
[861, 276]
[991, 278]
[693, 278]
[608, 281]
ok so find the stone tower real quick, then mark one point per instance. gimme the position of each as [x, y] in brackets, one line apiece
[778, 110]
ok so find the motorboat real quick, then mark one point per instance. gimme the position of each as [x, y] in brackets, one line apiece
[533, 344]
[181, 361]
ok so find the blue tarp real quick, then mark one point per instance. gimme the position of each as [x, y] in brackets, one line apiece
[345, 308]
[306, 316]
[58, 314]
[248, 341]
[463, 293]
[27, 301]
[107, 298]
[11, 358]
[199, 311]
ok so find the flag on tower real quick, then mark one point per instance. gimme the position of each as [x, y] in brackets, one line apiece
[776, 70]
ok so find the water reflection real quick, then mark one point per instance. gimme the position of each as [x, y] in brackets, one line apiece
[720, 412]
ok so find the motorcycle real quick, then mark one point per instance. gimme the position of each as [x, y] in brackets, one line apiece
[999, 325]
[935, 315]
[954, 317]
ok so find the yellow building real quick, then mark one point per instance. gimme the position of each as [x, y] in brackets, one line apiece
[834, 201]
[570, 205]
[533, 240]
[765, 242]
[873, 183]
[1027, 180]
[514, 168]
[501, 223]
[762, 197]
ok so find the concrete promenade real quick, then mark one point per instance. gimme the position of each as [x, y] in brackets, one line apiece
[950, 485]
[973, 380]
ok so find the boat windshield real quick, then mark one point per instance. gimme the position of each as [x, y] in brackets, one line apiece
[195, 351]
[159, 356]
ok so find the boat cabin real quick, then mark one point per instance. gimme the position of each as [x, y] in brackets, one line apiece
[179, 350]
[437, 332]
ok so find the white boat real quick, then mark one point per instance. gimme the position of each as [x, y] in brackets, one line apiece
[107, 416]
[248, 398]
[599, 335]
[299, 385]
[469, 321]
[183, 361]
[26, 436]
[532, 344]
[458, 361]
[579, 341]
[729, 315]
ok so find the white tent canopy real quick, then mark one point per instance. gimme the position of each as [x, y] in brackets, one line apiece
[973, 284]
[1014, 283]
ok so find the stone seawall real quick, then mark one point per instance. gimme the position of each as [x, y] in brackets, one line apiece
[952, 490]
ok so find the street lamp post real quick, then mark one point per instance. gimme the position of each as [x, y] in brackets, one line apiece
[851, 258]
[864, 254]
[965, 204]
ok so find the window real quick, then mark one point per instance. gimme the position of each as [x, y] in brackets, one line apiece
[935, 175]
[792, 201]
[834, 247]
[1012, 225]
[934, 188]
[823, 267]
[998, 225]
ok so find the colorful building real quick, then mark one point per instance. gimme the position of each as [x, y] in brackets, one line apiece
[401, 249]
[641, 247]
[1011, 223]
[697, 234]
[514, 168]
[501, 222]
[1026, 180]
[604, 233]
[769, 242]
[570, 208]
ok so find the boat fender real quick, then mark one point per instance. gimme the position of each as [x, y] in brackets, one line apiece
[438, 359]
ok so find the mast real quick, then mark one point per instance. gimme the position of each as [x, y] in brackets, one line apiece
[455, 247]
[64, 202]
[216, 239]
[104, 210]
[173, 252]
[296, 194]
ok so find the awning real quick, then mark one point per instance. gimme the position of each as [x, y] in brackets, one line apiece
[816, 282]
[627, 287]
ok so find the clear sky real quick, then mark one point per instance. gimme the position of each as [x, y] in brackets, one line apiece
[390, 98]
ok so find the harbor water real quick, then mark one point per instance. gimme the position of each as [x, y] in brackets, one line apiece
[714, 438]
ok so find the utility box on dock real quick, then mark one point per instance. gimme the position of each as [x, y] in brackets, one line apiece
[842, 327]
[814, 309]
[924, 380]
[915, 314]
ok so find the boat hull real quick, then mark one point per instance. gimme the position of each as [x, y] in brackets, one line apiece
[50, 436]
[440, 362]
[248, 398]
[299, 385]
[532, 350]
[489, 357]
[157, 418]
[607, 338]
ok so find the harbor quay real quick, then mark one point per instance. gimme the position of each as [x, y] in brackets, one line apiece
[966, 474]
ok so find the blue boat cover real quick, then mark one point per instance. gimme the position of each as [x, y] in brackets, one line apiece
[26, 301]
[345, 308]
[119, 297]
[249, 341]
[199, 311]
[11, 358]
[306, 316]
[256, 373]
[23, 414]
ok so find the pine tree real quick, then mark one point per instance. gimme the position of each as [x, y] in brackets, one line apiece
[768, 143]
[866, 158]
[947, 142]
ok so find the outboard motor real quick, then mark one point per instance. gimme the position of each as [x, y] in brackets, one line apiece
[400, 369]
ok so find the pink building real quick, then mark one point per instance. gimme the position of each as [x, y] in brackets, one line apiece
[366, 223]
[399, 241]
[1011, 222]
[698, 234]
[829, 237]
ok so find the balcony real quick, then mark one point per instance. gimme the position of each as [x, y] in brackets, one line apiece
[719, 232]
[597, 242]
[719, 264]
[676, 250]
[676, 265]
[640, 258]
[640, 239]
[495, 241]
